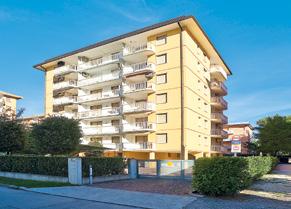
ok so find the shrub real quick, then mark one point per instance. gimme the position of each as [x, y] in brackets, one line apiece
[103, 166]
[57, 135]
[12, 134]
[227, 175]
[52, 166]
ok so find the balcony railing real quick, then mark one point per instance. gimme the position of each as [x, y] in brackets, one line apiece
[65, 84]
[138, 48]
[100, 61]
[98, 79]
[219, 133]
[218, 72]
[219, 116]
[65, 69]
[100, 130]
[138, 146]
[65, 100]
[98, 96]
[66, 114]
[218, 85]
[139, 107]
[132, 87]
[216, 148]
[139, 67]
[99, 113]
[220, 101]
[139, 126]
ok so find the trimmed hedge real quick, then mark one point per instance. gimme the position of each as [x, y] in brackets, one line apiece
[58, 166]
[51, 166]
[228, 175]
[103, 166]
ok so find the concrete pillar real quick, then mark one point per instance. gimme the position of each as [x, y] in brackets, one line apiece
[152, 156]
[133, 168]
[75, 171]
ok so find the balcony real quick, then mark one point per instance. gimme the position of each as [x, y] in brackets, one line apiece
[219, 103]
[219, 118]
[218, 87]
[216, 148]
[100, 130]
[218, 133]
[217, 72]
[137, 87]
[65, 100]
[64, 85]
[66, 114]
[65, 69]
[138, 52]
[98, 79]
[138, 146]
[98, 96]
[113, 146]
[99, 113]
[137, 68]
[139, 127]
[103, 61]
[139, 107]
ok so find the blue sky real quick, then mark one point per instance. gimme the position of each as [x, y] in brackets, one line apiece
[254, 38]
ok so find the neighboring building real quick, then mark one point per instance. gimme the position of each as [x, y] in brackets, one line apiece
[238, 131]
[154, 93]
[31, 120]
[8, 102]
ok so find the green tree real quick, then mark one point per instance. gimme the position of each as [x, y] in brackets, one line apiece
[57, 135]
[274, 135]
[12, 134]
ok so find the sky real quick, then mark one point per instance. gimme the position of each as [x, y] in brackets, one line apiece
[253, 37]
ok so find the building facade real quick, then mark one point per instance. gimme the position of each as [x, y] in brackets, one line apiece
[154, 93]
[8, 103]
[238, 131]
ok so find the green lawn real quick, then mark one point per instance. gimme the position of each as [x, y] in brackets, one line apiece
[31, 183]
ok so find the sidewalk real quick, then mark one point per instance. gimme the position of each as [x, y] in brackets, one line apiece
[120, 197]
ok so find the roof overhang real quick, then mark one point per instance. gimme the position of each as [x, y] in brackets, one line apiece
[188, 22]
[6, 94]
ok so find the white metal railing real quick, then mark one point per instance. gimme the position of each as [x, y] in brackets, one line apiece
[219, 84]
[219, 100]
[138, 146]
[64, 100]
[99, 113]
[138, 48]
[98, 79]
[64, 84]
[139, 67]
[98, 96]
[66, 114]
[138, 107]
[217, 69]
[139, 126]
[65, 69]
[139, 86]
[100, 61]
[219, 116]
[99, 130]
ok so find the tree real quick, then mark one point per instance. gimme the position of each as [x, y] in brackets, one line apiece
[12, 134]
[274, 135]
[56, 135]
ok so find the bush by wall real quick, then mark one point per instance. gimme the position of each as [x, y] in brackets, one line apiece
[103, 166]
[227, 175]
[52, 166]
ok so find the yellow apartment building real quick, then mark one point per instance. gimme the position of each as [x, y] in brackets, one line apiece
[154, 93]
[8, 102]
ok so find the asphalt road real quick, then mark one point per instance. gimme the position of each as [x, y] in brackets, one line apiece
[19, 199]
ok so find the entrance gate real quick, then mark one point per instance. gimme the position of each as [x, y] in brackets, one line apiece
[165, 168]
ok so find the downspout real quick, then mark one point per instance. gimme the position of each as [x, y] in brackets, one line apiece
[45, 70]
[182, 156]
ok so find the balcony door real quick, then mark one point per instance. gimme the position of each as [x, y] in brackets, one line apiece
[115, 123]
[97, 92]
[115, 106]
[140, 104]
[141, 122]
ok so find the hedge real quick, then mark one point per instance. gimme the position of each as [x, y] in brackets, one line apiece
[103, 166]
[58, 166]
[228, 175]
[51, 166]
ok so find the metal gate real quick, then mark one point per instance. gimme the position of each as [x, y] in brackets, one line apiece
[165, 168]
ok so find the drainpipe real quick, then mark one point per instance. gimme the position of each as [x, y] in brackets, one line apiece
[45, 70]
[182, 155]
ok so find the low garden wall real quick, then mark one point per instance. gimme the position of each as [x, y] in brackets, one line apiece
[228, 175]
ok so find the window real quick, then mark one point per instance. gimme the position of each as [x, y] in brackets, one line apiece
[115, 139]
[162, 138]
[162, 118]
[96, 139]
[162, 78]
[160, 40]
[161, 59]
[162, 98]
